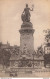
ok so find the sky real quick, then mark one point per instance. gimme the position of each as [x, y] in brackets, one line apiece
[10, 20]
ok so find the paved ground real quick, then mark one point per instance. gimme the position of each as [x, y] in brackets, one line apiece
[33, 73]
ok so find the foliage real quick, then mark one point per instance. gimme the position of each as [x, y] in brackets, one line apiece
[4, 57]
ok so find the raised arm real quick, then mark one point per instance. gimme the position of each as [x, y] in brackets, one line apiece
[32, 8]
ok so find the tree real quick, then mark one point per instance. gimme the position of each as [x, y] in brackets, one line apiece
[4, 57]
[0, 44]
[47, 36]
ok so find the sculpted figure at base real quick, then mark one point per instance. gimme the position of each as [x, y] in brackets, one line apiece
[26, 14]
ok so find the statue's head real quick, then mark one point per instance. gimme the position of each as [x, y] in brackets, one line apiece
[26, 5]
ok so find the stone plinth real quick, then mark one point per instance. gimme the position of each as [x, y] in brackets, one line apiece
[26, 39]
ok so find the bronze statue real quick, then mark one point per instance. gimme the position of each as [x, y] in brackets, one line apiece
[26, 14]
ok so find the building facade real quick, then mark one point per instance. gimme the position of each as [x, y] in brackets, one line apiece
[47, 51]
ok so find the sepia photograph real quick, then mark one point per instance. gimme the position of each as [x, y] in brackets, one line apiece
[25, 38]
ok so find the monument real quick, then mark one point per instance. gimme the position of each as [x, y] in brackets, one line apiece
[26, 38]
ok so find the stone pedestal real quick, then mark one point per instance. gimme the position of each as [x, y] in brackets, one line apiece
[26, 40]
